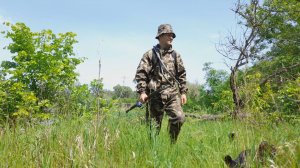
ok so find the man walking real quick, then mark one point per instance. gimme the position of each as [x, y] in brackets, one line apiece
[159, 76]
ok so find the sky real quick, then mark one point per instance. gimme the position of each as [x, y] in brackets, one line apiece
[120, 32]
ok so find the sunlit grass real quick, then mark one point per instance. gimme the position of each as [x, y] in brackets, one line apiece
[120, 140]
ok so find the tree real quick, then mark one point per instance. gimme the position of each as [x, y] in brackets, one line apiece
[280, 64]
[216, 87]
[241, 50]
[96, 87]
[123, 92]
[281, 33]
[270, 39]
[43, 64]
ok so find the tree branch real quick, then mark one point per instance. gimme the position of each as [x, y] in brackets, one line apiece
[284, 69]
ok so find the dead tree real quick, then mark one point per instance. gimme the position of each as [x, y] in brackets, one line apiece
[239, 49]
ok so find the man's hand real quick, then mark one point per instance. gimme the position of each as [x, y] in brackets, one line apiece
[183, 99]
[143, 97]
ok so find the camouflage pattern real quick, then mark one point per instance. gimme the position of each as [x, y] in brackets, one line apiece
[165, 28]
[168, 102]
[149, 78]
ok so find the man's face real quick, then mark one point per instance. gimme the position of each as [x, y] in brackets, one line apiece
[166, 39]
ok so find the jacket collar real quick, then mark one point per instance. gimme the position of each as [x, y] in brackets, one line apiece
[169, 50]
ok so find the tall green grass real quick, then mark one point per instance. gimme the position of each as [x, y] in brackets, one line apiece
[119, 140]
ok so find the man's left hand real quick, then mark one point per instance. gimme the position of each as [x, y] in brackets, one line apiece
[183, 99]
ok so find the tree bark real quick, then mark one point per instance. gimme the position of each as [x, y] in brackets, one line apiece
[235, 93]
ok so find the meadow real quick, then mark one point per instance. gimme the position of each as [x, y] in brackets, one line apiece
[120, 140]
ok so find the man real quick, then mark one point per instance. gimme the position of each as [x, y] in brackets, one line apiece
[159, 76]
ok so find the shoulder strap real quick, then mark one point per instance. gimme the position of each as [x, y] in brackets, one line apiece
[174, 55]
[154, 58]
[162, 65]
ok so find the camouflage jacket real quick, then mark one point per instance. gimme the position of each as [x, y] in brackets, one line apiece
[149, 76]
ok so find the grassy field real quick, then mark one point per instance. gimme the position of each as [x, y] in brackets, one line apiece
[119, 140]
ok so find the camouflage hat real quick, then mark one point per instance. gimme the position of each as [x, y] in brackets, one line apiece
[164, 28]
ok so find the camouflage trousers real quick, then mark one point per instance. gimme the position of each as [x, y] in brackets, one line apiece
[168, 102]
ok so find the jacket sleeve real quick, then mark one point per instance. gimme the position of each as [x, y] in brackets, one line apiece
[181, 75]
[142, 73]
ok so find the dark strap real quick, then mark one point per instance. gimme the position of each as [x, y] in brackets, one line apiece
[174, 55]
[155, 60]
[162, 66]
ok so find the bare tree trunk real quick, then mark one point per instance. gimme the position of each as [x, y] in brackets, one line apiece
[241, 49]
[235, 93]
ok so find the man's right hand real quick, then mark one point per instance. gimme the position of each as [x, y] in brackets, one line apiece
[143, 97]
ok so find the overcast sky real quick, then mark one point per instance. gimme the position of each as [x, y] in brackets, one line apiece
[120, 31]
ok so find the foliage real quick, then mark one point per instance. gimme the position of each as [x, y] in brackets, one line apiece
[42, 66]
[123, 92]
[42, 61]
